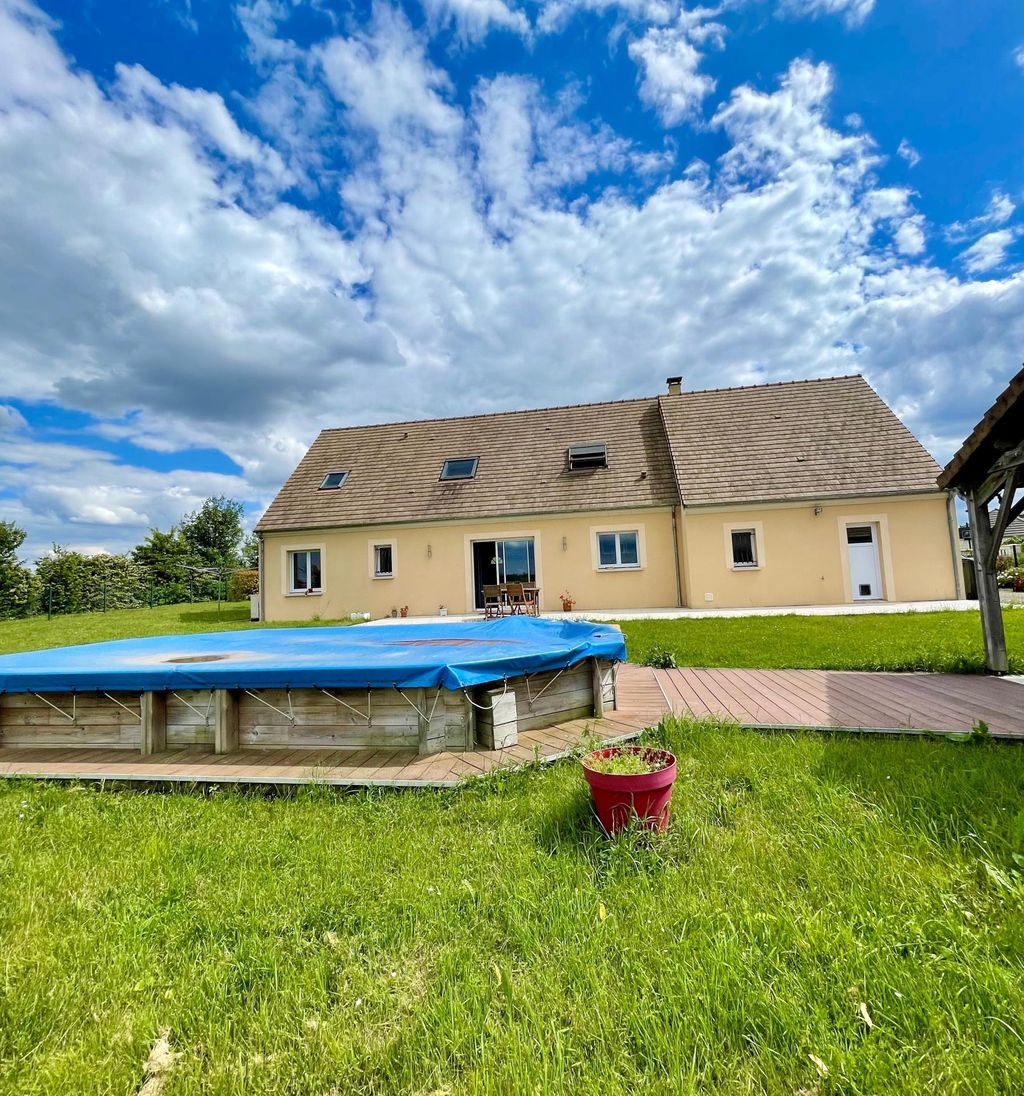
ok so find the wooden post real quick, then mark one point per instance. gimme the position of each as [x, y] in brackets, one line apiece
[498, 727]
[988, 589]
[469, 715]
[598, 686]
[225, 727]
[432, 728]
[154, 723]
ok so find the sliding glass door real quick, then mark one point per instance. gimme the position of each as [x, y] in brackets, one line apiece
[498, 561]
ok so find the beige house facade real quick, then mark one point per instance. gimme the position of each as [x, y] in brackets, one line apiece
[802, 493]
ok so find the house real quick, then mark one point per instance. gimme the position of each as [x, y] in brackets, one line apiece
[796, 493]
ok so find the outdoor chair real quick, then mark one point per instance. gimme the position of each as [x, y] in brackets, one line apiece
[517, 601]
[493, 604]
[532, 591]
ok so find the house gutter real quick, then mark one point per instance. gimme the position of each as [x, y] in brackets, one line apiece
[261, 567]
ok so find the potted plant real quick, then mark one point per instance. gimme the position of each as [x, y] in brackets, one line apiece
[568, 601]
[628, 782]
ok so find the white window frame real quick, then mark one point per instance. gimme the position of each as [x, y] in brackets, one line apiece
[289, 551]
[641, 547]
[372, 546]
[756, 528]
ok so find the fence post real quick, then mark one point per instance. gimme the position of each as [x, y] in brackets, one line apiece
[104, 596]
[49, 602]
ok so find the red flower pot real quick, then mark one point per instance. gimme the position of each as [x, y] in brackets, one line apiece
[619, 797]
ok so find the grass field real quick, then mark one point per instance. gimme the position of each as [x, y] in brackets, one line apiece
[903, 641]
[825, 915]
[945, 641]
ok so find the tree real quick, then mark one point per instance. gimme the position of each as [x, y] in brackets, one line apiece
[251, 552]
[19, 588]
[213, 533]
[73, 583]
[166, 558]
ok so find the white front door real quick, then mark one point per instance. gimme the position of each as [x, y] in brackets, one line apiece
[865, 574]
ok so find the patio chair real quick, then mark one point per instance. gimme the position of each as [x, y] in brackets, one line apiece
[494, 605]
[532, 591]
[517, 600]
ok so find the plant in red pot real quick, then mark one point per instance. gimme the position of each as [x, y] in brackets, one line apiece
[630, 782]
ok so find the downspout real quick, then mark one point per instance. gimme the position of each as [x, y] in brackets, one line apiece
[261, 565]
[675, 556]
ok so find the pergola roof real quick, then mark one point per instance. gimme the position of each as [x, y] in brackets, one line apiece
[1000, 429]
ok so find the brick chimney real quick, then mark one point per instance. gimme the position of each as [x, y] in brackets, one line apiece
[675, 386]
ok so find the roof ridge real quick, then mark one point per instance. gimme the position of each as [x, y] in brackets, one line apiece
[492, 414]
[774, 384]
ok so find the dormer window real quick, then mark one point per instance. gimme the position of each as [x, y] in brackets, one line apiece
[333, 480]
[459, 468]
[584, 458]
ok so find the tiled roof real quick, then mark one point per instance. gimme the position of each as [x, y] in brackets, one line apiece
[801, 439]
[796, 439]
[394, 469]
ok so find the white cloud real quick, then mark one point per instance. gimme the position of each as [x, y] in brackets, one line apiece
[385, 81]
[670, 57]
[999, 210]
[475, 19]
[11, 418]
[198, 307]
[989, 252]
[906, 151]
[853, 12]
[909, 237]
[1018, 57]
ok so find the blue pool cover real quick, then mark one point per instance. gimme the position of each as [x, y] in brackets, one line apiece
[452, 655]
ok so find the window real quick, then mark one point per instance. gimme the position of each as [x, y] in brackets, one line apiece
[459, 468]
[859, 534]
[618, 550]
[744, 548]
[304, 568]
[584, 458]
[383, 561]
[333, 480]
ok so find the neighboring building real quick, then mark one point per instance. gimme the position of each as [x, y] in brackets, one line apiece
[799, 493]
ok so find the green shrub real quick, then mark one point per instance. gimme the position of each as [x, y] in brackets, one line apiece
[661, 658]
[242, 584]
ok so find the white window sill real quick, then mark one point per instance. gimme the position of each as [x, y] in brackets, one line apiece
[619, 567]
[304, 593]
[745, 567]
[382, 576]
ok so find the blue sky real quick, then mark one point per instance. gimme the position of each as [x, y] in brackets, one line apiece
[225, 227]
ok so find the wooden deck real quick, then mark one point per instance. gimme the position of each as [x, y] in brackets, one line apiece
[640, 705]
[876, 702]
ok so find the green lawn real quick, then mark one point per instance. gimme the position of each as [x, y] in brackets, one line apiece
[948, 641]
[893, 641]
[38, 632]
[486, 940]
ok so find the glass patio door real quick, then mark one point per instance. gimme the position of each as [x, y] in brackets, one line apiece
[498, 561]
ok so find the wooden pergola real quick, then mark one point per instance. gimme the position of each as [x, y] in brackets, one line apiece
[988, 473]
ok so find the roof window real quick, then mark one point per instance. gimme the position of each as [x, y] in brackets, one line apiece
[458, 468]
[583, 458]
[333, 480]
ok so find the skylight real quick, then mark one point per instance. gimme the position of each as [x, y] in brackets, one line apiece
[457, 468]
[583, 458]
[333, 480]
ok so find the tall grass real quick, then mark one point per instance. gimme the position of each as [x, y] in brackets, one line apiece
[826, 914]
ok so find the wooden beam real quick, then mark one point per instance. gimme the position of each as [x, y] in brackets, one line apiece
[1003, 517]
[988, 590]
[598, 687]
[225, 727]
[154, 723]
[432, 729]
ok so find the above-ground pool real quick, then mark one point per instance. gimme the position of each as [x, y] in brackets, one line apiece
[429, 686]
